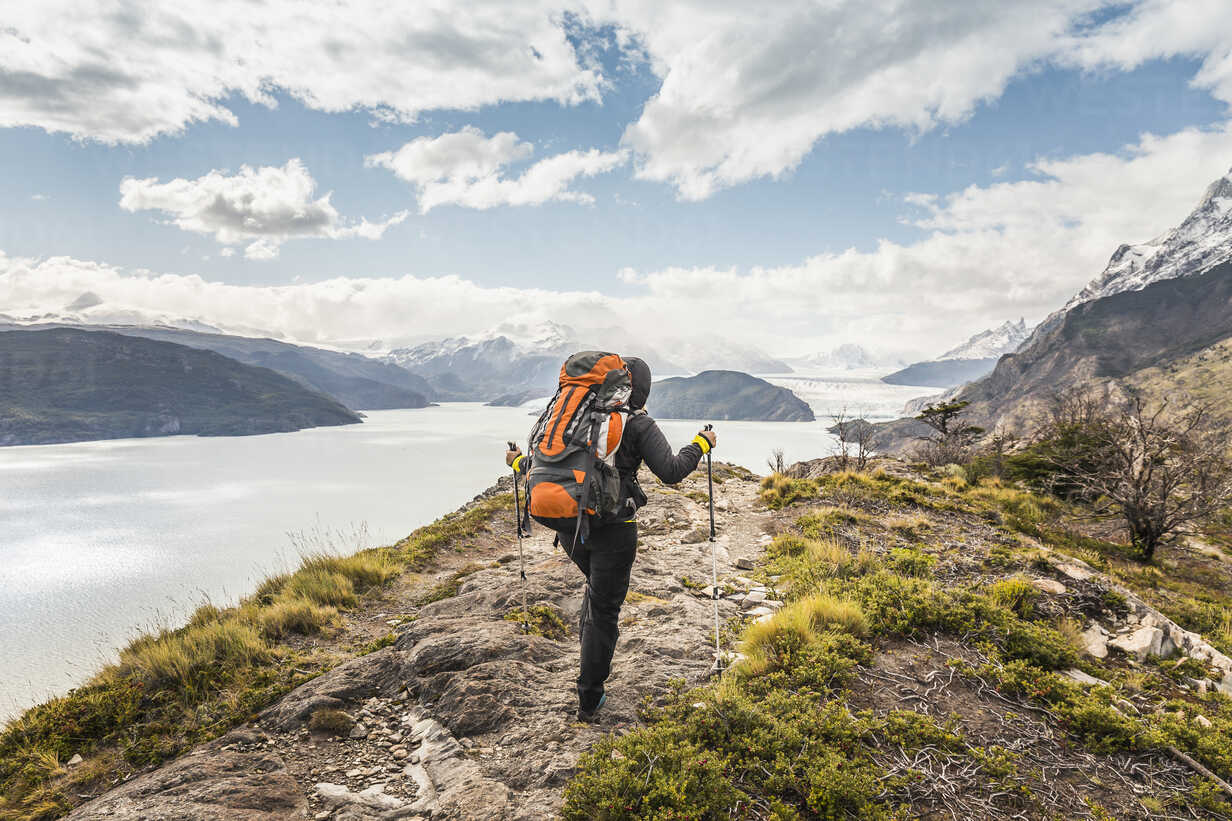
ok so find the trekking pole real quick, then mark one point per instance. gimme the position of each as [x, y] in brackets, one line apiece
[517, 522]
[714, 564]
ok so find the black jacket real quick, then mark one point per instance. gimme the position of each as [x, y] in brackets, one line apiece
[644, 442]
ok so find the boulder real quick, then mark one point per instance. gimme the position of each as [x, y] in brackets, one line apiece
[1075, 571]
[1084, 678]
[1143, 642]
[380, 673]
[450, 785]
[374, 797]
[1095, 641]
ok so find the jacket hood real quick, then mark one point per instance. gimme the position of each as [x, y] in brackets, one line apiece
[640, 372]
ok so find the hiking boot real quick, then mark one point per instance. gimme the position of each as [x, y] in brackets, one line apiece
[592, 716]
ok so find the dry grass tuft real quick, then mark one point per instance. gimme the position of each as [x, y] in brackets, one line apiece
[798, 625]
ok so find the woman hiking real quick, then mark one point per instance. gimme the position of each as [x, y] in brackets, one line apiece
[605, 547]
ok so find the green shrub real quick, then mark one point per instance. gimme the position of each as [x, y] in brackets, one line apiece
[542, 620]
[1016, 593]
[779, 491]
[653, 773]
[911, 561]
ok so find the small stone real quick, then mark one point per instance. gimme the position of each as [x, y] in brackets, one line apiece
[759, 612]
[744, 563]
[754, 598]
[356, 773]
[75, 760]
[1075, 571]
[776, 604]
[359, 731]
[1049, 586]
[1203, 721]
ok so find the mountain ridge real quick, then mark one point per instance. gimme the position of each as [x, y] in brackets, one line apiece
[70, 385]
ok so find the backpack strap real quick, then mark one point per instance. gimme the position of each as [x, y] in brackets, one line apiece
[582, 529]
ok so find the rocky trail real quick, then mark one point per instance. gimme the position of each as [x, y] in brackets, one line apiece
[465, 715]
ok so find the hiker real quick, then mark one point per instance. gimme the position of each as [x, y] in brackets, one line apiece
[603, 547]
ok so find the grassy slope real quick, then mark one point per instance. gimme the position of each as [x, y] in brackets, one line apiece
[181, 687]
[790, 733]
[64, 385]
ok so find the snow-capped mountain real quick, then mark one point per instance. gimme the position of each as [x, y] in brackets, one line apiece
[90, 309]
[520, 358]
[1198, 244]
[1155, 324]
[845, 357]
[991, 343]
[969, 361]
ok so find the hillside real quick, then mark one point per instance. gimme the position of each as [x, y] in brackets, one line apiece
[941, 373]
[357, 381]
[66, 385]
[726, 395]
[908, 646]
[1156, 316]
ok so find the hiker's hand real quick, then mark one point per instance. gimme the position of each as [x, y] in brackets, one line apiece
[510, 455]
[710, 436]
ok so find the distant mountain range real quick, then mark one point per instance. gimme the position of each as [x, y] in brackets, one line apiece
[969, 361]
[1157, 322]
[359, 382]
[512, 361]
[726, 395]
[845, 357]
[67, 385]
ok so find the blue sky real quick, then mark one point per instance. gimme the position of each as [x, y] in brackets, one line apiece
[790, 215]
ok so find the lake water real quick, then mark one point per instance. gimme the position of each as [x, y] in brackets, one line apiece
[101, 540]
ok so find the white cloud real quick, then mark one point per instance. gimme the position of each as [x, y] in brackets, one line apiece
[128, 72]
[40, 197]
[995, 252]
[262, 207]
[1161, 29]
[747, 94]
[466, 168]
[1005, 250]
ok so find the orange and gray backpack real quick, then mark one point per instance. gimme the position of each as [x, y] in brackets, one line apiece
[573, 478]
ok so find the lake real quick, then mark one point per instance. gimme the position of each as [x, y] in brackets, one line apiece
[101, 540]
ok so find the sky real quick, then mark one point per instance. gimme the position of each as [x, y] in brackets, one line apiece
[898, 174]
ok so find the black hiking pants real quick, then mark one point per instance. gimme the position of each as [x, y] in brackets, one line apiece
[605, 559]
